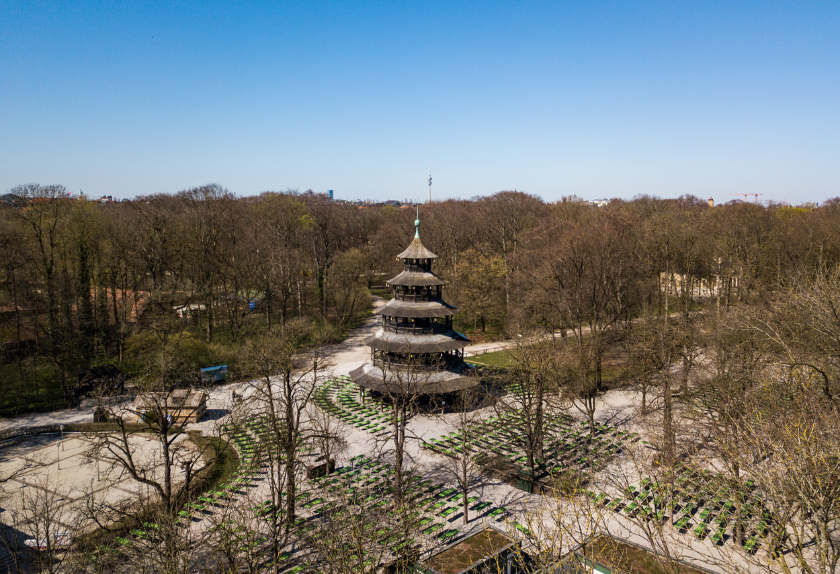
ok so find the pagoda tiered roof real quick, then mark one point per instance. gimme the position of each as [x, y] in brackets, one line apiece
[393, 382]
[416, 278]
[416, 343]
[417, 309]
[416, 250]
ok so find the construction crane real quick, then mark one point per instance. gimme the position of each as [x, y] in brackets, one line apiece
[745, 195]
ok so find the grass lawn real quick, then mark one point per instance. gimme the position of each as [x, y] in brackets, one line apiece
[381, 291]
[227, 461]
[496, 359]
[612, 372]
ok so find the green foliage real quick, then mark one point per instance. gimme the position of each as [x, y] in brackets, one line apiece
[495, 359]
[193, 352]
[31, 386]
[381, 291]
[226, 464]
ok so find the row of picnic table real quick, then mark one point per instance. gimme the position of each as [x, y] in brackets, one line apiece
[696, 500]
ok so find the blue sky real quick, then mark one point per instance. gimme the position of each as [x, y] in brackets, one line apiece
[598, 99]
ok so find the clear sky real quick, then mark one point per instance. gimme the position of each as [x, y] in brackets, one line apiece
[598, 99]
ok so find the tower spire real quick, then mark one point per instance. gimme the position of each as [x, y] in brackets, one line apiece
[417, 224]
[430, 183]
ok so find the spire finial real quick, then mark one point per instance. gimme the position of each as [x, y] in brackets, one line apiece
[417, 224]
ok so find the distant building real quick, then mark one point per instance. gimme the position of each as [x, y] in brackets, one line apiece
[380, 204]
[718, 283]
[12, 200]
[186, 310]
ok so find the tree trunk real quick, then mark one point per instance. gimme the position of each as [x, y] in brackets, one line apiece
[667, 423]
[399, 444]
[289, 451]
[465, 499]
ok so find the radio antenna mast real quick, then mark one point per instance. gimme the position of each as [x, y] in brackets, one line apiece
[430, 183]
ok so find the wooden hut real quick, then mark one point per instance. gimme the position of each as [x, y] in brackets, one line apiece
[181, 405]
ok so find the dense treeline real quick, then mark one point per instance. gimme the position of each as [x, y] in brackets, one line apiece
[197, 273]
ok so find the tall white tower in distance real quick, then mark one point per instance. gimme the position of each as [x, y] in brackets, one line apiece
[430, 183]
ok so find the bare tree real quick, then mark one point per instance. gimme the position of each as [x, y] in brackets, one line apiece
[405, 379]
[42, 513]
[735, 361]
[45, 219]
[532, 380]
[156, 413]
[512, 213]
[654, 501]
[167, 471]
[793, 456]
[348, 537]
[237, 538]
[481, 275]
[289, 369]
[327, 434]
[462, 464]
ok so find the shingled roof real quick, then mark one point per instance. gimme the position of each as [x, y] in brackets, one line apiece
[401, 343]
[396, 382]
[416, 250]
[417, 279]
[419, 309]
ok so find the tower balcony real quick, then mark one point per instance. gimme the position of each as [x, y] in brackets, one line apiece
[415, 327]
[417, 297]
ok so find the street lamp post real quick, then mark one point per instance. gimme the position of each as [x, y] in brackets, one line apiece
[62, 436]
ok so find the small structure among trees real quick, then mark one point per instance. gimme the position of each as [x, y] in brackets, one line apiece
[182, 405]
[416, 334]
[489, 551]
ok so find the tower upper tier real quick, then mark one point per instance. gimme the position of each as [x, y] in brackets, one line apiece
[417, 290]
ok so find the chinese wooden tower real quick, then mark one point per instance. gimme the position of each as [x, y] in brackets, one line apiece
[416, 351]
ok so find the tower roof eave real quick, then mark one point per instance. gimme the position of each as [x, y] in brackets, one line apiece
[418, 310]
[413, 278]
[373, 378]
[416, 250]
[418, 344]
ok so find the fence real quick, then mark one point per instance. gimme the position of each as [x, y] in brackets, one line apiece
[29, 431]
[476, 353]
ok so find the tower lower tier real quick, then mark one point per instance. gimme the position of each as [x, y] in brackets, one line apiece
[399, 380]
